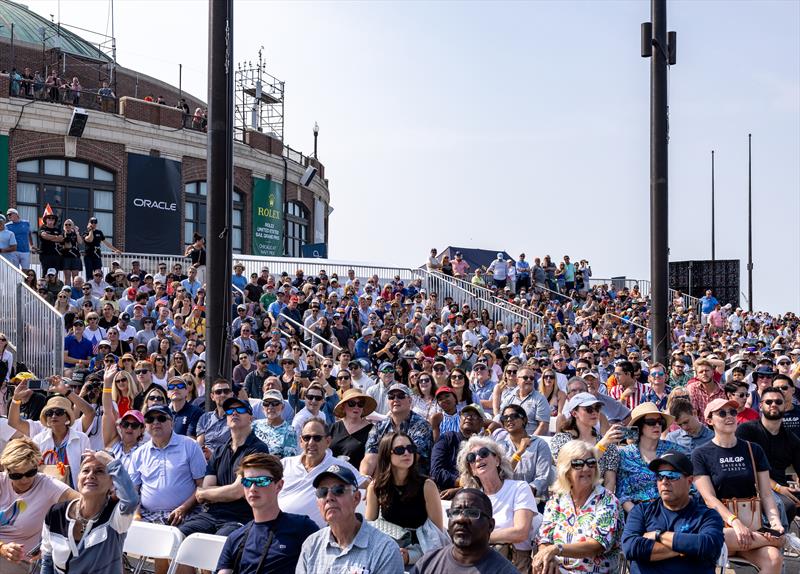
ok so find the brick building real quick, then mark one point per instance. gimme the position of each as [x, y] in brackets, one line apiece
[139, 168]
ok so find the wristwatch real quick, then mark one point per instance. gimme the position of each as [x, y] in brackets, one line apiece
[658, 535]
[559, 549]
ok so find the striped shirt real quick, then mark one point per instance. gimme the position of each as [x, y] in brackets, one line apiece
[633, 400]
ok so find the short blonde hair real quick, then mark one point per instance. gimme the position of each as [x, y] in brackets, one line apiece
[467, 479]
[574, 449]
[19, 453]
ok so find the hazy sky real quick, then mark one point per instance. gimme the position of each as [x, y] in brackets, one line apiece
[517, 126]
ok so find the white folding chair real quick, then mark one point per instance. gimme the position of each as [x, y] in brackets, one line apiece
[151, 541]
[199, 551]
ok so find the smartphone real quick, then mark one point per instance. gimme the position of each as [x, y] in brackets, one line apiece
[630, 433]
[770, 531]
[33, 551]
[38, 384]
[308, 374]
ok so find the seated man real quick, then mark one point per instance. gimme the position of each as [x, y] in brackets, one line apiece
[349, 543]
[692, 433]
[272, 541]
[222, 492]
[674, 534]
[470, 526]
[444, 470]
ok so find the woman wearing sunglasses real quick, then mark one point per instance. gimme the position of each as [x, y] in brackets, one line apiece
[123, 433]
[399, 494]
[124, 388]
[636, 482]
[349, 433]
[483, 465]
[25, 497]
[154, 395]
[582, 520]
[457, 380]
[530, 455]
[729, 468]
[423, 401]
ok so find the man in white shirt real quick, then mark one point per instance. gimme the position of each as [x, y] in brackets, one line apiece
[499, 271]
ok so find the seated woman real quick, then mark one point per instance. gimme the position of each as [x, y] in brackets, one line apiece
[483, 465]
[727, 468]
[349, 433]
[582, 521]
[530, 455]
[25, 497]
[87, 534]
[637, 483]
[400, 495]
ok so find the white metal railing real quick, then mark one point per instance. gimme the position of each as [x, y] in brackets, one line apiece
[10, 277]
[41, 333]
[308, 349]
[312, 333]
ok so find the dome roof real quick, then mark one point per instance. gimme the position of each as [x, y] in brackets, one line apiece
[29, 26]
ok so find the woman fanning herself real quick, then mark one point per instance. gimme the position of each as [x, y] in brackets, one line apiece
[400, 495]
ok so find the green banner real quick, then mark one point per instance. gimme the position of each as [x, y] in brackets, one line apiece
[4, 173]
[267, 217]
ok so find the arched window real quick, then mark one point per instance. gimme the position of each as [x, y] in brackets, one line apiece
[74, 189]
[194, 218]
[296, 228]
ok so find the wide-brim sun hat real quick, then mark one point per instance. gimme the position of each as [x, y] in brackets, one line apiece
[57, 402]
[350, 394]
[648, 408]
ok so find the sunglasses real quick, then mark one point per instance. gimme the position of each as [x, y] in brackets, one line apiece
[343, 378]
[396, 396]
[527, 377]
[670, 475]
[654, 422]
[722, 413]
[176, 386]
[155, 399]
[338, 490]
[55, 413]
[400, 450]
[157, 418]
[776, 402]
[221, 392]
[784, 363]
[580, 463]
[130, 425]
[740, 395]
[261, 481]
[782, 388]
[657, 373]
[387, 371]
[591, 409]
[483, 452]
[20, 475]
[510, 417]
[310, 437]
[271, 404]
[313, 397]
[140, 371]
[456, 377]
[353, 404]
[237, 410]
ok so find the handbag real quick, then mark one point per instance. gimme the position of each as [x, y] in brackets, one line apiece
[748, 510]
[53, 468]
[402, 536]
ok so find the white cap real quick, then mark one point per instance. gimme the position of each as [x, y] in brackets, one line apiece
[52, 271]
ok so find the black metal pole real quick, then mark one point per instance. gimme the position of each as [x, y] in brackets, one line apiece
[659, 205]
[219, 168]
[713, 250]
[749, 222]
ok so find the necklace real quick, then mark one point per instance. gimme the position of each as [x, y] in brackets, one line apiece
[84, 521]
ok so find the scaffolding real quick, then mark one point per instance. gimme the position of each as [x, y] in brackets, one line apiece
[258, 99]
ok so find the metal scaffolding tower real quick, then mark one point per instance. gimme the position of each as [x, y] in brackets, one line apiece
[259, 99]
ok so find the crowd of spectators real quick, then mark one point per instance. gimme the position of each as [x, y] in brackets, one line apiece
[369, 425]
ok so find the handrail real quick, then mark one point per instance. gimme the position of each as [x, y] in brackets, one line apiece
[621, 318]
[310, 332]
[302, 344]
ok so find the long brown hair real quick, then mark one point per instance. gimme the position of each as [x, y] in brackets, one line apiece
[383, 480]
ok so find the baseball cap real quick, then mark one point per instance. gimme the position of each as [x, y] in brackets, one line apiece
[718, 404]
[272, 395]
[339, 472]
[160, 409]
[12, 211]
[386, 366]
[442, 390]
[125, 317]
[52, 271]
[580, 400]
[262, 356]
[236, 401]
[135, 414]
[476, 408]
[677, 460]
[399, 387]
[105, 342]
[367, 331]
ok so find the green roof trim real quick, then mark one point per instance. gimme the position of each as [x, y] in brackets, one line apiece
[28, 28]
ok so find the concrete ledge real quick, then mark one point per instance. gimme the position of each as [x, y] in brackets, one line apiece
[150, 112]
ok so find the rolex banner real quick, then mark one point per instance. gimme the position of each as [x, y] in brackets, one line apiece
[267, 217]
[154, 209]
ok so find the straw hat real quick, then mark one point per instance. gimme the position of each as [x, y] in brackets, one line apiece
[645, 409]
[56, 402]
[369, 403]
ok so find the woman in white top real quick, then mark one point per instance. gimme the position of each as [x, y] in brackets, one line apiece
[57, 428]
[160, 374]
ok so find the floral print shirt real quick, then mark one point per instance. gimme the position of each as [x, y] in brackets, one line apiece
[636, 482]
[599, 519]
[281, 440]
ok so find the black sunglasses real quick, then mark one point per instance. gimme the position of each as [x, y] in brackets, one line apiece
[483, 452]
[510, 417]
[409, 448]
[130, 425]
[579, 463]
[310, 437]
[354, 403]
[20, 475]
[158, 418]
[56, 412]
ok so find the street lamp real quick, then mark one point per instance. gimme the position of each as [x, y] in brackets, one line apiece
[316, 133]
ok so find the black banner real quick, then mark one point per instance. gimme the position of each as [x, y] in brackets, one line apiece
[694, 277]
[154, 208]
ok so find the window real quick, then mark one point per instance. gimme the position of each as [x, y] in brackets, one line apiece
[194, 219]
[296, 229]
[74, 189]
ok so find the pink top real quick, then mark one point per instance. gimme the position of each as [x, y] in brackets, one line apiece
[25, 526]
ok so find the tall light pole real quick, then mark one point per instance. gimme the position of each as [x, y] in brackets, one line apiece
[316, 133]
[655, 45]
[750, 222]
[713, 251]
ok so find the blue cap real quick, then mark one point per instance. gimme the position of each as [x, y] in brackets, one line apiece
[159, 409]
[337, 471]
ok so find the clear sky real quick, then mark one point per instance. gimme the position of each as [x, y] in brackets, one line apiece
[517, 126]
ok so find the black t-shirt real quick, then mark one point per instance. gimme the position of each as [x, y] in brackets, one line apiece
[253, 292]
[49, 247]
[791, 420]
[283, 553]
[223, 465]
[350, 445]
[441, 561]
[730, 469]
[92, 248]
[70, 247]
[782, 449]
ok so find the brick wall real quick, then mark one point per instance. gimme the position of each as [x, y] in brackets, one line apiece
[151, 112]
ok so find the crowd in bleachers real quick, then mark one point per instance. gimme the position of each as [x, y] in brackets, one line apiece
[370, 425]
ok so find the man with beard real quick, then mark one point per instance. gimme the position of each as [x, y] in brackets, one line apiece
[781, 446]
[470, 526]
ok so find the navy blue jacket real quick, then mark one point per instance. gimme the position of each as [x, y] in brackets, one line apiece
[444, 471]
[698, 535]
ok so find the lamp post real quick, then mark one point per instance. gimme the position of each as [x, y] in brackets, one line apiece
[316, 133]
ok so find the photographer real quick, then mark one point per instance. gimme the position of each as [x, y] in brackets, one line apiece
[92, 241]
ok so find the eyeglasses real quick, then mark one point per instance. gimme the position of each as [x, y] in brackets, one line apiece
[354, 403]
[56, 412]
[579, 463]
[456, 377]
[530, 377]
[483, 452]
[221, 391]
[722, 413]
[237, 410]
[466, 512]
[654, 422]
[327, 366]
[396, 396]
[20, 475]
[176, 386]
[313, 397]
[591, 409]
[784, 363]
[510, 417]
[271, 404]
[782, 388]
[740, 395]
[337, 491]
[260, 481]
[141, 371]
[511, 372]
[310, 437]
[155, 399]
[670, 475]
[776, 402]
[343, 378]
[130, 425]
[402, 449]
[157, 418]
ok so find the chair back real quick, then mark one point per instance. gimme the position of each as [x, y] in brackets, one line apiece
[147, 540]
[199, 551]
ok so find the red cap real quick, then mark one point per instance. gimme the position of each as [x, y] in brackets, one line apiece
[441, 390]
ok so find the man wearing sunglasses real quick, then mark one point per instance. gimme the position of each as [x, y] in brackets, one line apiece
[349, 543]
[222, 492]
[212, 426]
[184, 413]
[674, 533]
